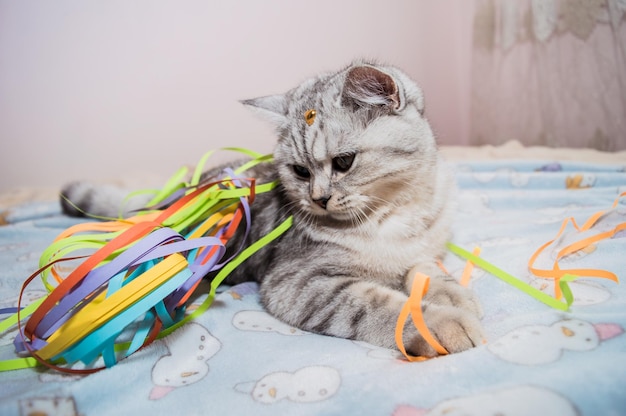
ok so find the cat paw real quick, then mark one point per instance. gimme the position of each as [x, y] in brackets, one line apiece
[453, 328]
[445, 291]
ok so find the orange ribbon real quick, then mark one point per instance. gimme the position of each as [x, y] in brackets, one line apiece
[556, 272]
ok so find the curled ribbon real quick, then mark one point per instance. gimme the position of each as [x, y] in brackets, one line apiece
[413, 307]
[556, 272]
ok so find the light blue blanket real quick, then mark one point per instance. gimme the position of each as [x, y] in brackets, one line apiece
[236, 359]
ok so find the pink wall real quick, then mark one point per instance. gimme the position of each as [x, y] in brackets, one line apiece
[97, 89]
[446, 54]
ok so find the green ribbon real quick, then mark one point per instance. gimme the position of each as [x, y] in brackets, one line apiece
[517, 283]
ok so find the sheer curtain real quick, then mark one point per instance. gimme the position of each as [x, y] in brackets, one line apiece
[549, 72]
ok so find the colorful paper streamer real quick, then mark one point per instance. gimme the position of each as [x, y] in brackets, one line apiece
[135, 286]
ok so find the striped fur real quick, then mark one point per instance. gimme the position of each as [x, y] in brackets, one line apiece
[371, 202]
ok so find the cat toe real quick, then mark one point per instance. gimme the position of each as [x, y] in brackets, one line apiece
[447, 292]
[452, 327]
[459, 335]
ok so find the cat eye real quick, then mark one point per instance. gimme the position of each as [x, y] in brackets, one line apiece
[343, 163]
[301, 171]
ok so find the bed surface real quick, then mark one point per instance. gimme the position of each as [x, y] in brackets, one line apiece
[236, 359]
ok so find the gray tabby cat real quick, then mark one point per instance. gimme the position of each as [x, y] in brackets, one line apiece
[371, 202]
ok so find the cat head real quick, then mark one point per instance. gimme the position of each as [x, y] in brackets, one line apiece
[351, 141]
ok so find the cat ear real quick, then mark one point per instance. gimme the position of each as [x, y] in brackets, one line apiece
[370, 86]
[273, 107]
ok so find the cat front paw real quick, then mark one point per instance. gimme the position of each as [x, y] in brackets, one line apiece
[454, 328]
[446, 291]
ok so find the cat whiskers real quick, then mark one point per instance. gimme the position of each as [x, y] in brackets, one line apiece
[358, 217]
[373, 202]
[306, 217]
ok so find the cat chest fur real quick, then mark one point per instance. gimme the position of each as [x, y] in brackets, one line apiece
[391, 247]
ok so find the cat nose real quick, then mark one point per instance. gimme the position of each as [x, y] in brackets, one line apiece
[322, 202]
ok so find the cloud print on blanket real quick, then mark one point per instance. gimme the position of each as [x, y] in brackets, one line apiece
[55, 405]
[516, 401]
[262, 322]
[541, 344]
[190, 348]
[306, 385]
[381, 353]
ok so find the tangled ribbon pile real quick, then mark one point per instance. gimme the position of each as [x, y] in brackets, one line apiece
[134, 288]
